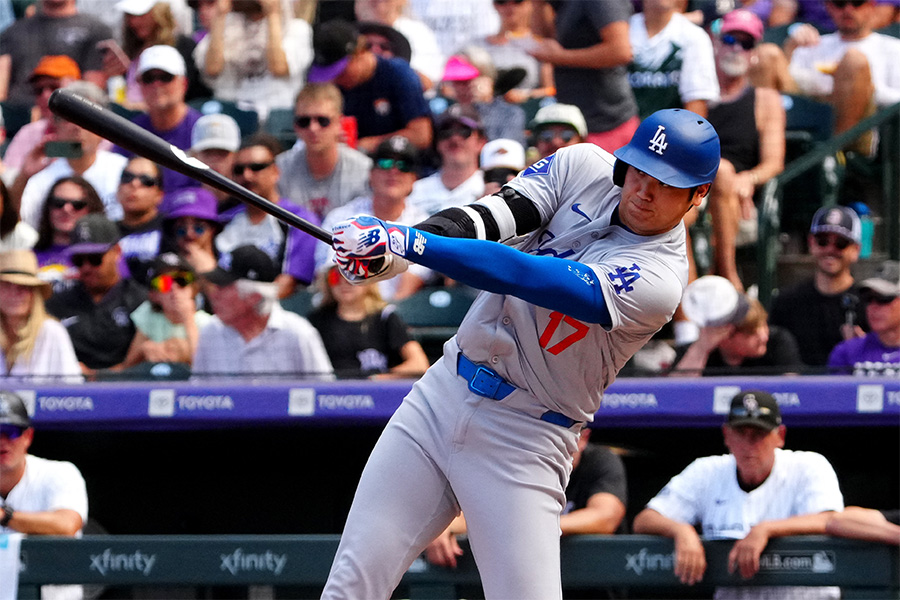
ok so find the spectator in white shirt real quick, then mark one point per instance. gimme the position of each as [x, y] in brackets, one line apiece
[251, 334]
[101, 168]
[33, 345]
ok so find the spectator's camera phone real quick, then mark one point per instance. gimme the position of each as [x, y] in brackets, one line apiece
[246, 6]
[63, 149]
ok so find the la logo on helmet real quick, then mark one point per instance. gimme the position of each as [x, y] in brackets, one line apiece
[658, 144]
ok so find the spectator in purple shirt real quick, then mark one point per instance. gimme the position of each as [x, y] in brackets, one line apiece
[878, 353]
[69, 199]
[161, 77]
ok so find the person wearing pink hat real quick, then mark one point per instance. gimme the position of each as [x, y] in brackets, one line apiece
[751, 123]
[854, 69]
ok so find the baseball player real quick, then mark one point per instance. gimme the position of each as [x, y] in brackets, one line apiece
[592, 263]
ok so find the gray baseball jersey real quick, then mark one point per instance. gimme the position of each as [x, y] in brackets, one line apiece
[564, 363]
[448, 448]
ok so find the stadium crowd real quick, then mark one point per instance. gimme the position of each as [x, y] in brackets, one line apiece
[111, 264]
[392, 109]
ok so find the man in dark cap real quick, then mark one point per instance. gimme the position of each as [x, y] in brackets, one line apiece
[757, 492]
[823, 311]
[251, 333]
[96, 310]
[878, 352]
[37, 496]
[460, 137]
[384, 94]
[394, 169]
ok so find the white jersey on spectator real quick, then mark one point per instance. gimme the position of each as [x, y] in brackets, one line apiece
[430, 195]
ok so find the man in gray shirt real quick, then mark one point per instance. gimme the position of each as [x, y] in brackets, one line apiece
[321, 173]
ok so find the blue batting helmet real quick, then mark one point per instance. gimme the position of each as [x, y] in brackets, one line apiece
[676, 146]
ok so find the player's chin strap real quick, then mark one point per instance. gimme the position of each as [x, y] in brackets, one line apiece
[497, 218]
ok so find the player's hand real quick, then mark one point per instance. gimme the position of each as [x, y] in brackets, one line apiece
[744, 555]
[368, 237]
[360, 270]
[690, 558]
[443, 550]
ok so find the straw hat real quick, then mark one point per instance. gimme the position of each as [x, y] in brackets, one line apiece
[20, 267]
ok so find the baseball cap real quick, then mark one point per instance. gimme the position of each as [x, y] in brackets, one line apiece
[191, 202]
[744, 21]
[837, 219]
[561, 114]
[161, 57]
[13, 411]
[93, 234]
[886, 280]
[21, 267]
[166, 263]
[216, 131]
[56, 66]
[459, 69]
[399, 43]
[464, 115]
[333, 43]
[397, 146]
[754, 408]
[711, 301]
[135, 7]
[502, 153]
[244, 262]
[88, 90]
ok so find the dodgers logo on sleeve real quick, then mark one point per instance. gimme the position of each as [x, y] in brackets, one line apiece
[541, 167]
[626, 276]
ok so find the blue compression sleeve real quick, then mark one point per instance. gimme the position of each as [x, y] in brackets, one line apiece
[554, 283]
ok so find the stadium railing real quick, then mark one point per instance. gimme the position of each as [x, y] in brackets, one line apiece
[887, 121]
[861, 569]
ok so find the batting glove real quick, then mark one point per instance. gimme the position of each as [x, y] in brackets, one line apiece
[367, 237]
[361, 270]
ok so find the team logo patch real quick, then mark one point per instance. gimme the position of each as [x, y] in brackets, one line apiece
[541, 167]
[625, 276]
[659, 144]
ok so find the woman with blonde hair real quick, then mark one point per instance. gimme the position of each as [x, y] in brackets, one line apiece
[363, 335]
[33, 346]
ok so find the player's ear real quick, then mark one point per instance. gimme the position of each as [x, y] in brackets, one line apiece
[700, 193]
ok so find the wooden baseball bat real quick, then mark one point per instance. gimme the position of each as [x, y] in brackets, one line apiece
[126, 134]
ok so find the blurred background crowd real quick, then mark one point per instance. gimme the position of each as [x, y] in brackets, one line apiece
[402, 108]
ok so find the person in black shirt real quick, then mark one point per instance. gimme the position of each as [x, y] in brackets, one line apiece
[748, 346]
[96, 310]
[362, 334]
[822, 312]
[140, 193]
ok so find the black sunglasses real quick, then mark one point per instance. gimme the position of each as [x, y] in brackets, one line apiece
[57, 202]
[154, 76]
[303, 121]
[730, 40]
[868, 297]
[93, 259]
[256, 167]
[386, 164]
[144, 180]
[823, 240]
[11, 432]
[548, 135]
[40, 89]
[843, 3]
[462, 131]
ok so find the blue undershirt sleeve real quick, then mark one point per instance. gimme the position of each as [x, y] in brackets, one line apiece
[553, 283]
